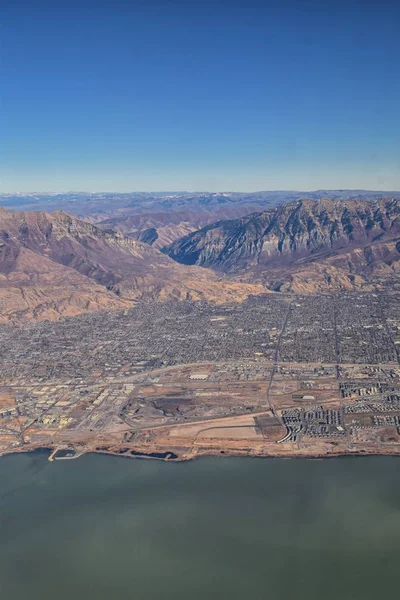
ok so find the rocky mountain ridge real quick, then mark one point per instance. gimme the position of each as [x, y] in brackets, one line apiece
[273, 245]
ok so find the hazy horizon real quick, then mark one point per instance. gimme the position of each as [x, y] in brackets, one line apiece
[199, 192]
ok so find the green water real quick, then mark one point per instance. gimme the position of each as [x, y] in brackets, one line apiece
[112, 528]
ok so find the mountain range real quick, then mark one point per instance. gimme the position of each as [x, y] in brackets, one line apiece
[305, 245]
[53, 264]
[158, 218]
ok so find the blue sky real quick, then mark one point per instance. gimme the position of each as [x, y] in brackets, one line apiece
[154, 95]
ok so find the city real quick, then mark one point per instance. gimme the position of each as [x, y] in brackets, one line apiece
[278, 375]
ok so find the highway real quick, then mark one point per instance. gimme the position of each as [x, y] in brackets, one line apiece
[274, 368]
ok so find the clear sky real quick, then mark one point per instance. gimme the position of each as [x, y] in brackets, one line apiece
[212, 95]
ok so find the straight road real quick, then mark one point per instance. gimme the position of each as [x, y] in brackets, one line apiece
[275, 365]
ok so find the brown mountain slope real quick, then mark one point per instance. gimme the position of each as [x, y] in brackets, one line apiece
[306, 245]
[38, 288]
[373, 266]
[55, 264]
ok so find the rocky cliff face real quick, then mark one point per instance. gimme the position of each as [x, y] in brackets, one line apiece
[274, 245]
[287, 233]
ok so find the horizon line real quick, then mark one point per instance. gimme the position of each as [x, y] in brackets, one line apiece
[258, 191]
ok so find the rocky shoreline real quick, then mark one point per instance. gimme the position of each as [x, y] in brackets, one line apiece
[171, 456]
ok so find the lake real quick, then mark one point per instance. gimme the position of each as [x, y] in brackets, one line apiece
[102, 527]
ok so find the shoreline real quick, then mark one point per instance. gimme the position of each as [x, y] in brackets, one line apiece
[186, 458]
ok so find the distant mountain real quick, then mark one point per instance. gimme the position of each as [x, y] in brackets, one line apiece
[54, 265]
[163, 227]
[170, 214]
[108, 204]
[305, 236]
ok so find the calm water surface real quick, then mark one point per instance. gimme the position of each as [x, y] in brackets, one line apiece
[112, 528]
